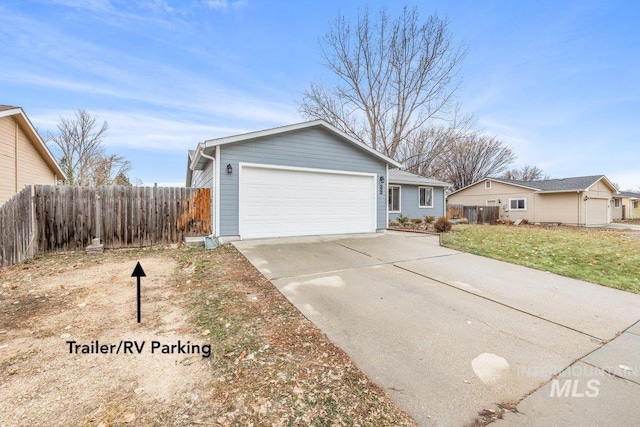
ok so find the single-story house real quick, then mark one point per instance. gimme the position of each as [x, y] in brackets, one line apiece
[24, 157]
[628, 204]
[583, 200]
[415, 196]
[304, 179]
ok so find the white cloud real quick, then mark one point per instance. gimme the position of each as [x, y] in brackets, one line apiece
[225, 4]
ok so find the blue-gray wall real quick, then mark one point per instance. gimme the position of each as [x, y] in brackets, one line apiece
[203, 178]
[409, 202]
[307, 148]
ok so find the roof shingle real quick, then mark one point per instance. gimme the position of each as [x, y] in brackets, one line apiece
[578, 183]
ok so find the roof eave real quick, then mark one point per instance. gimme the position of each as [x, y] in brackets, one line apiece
[496, 180]
[31, 130]
[304, 125]
[420, 184]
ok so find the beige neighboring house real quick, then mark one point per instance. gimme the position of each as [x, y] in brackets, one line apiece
[626, 205]
[583, 200]
[24, 157]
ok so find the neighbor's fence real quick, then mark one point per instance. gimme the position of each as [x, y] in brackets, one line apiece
[17, 237]
[46, 218]
[474, 214]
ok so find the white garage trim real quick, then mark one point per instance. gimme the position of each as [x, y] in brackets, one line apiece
[279, 215]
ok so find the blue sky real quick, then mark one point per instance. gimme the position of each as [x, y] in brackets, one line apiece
[557, 81]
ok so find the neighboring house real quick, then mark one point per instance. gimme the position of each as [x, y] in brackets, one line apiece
[24, 157]
[303, 179]
[629, 205]
[583, 200]
[415, 196]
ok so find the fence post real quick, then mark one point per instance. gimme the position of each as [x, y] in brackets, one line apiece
[98, 217]
[33, 249]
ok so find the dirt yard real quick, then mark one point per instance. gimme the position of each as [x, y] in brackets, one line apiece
[268, 365]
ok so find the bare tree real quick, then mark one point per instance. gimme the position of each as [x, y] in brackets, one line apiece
[424, 152]
[394, 78]
[473, 156]
[525, 173]
[111, 169]
[78, 148]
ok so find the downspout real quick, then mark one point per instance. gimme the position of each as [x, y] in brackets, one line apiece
[214, 218]
[217, 184]
[444, 201]
[385, 196]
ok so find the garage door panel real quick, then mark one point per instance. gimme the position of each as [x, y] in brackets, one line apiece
[597, 212]
[282, 202]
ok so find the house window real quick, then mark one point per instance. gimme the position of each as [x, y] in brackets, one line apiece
[635, 204]
[518, 204]
[426, 197]
[394, 198]
[487, 185]
[616, 203]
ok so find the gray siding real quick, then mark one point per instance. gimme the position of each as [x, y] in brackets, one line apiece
[308, 148]
[409, 203]
[203, 178]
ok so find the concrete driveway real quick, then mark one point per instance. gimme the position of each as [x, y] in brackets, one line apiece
[450, 334]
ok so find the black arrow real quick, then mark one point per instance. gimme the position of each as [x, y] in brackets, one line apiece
[138, 272]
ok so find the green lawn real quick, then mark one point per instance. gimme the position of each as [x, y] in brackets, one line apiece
[610, 258]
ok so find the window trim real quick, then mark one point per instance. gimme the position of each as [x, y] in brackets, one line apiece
[420, 188]
[399, 188]
[518, 209]
[487, 185]
[616, 203]
[635, 204]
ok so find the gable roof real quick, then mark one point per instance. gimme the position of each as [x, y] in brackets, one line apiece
[629, 194]
[24, 122]
[397, 176]
[578, 183]
[197, 157]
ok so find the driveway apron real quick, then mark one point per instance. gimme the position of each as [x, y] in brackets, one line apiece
[449, 334]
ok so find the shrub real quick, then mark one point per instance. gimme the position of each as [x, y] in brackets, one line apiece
[393, 223]
[416, 221]
[442, 225]
[402, 220]
[429, 219]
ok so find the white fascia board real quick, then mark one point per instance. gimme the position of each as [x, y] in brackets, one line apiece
[18, 111]
[11, 112]
[606, 180]
[421, 184]
[274, 131]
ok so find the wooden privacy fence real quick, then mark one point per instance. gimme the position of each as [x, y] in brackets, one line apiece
[474, 214]
[46, 218]
[17, 237]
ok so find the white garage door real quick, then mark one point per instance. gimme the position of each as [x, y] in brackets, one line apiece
[278, 202]
[597, 211]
